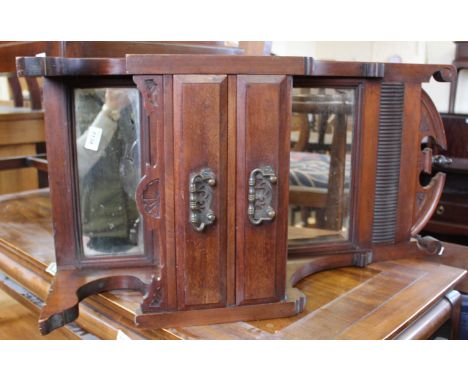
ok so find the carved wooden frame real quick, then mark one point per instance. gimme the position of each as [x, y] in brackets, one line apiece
[156, 276]
[352, 243]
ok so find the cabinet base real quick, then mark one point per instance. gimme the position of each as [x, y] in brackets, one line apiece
[293, 304]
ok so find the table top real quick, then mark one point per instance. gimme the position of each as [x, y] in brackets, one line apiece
[376, 302]
[8, 113]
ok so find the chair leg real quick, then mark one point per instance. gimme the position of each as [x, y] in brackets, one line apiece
[35, 93]
[15, 87]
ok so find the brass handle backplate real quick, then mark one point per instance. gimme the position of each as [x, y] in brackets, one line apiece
[201, 194]
[261, 195]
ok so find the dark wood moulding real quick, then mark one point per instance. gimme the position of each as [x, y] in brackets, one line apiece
[214, 64]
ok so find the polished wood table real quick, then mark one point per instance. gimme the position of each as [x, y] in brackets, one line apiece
[406, 298]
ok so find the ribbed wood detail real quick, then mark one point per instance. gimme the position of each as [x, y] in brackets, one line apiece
[388, 162]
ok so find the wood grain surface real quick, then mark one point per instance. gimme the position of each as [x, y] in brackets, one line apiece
[19, 323]
[376, 302]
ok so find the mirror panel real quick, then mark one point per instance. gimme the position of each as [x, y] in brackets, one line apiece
[107, 128]
[320, 164]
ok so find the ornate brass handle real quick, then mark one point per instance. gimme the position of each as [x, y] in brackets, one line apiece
[201, 194]
[260, 195]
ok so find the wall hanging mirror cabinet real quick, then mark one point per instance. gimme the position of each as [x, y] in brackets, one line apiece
[213, 184]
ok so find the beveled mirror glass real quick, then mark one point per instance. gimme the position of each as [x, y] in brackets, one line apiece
[320, 164]
[107, 124]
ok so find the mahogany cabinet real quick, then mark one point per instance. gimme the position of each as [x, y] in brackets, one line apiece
[196, 179]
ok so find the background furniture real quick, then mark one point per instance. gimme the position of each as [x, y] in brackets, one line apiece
[461, 63]
[21, 137]
[25, 116]
[450, 220]
[397, 299]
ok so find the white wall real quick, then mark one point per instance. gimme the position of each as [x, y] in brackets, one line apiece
[294, 48]
[387, 51]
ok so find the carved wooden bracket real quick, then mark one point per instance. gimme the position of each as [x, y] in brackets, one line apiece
[153, 300]
[428, 196]
[72, 286]
[148, 196]
[430, 245]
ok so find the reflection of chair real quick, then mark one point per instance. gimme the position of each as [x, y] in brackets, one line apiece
[329, 112]
[35, 92]
[22, 138]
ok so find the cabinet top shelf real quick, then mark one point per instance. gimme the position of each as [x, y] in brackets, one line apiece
[217, 64]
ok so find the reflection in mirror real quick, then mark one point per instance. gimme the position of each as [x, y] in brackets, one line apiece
[320, 173]
[108, 159]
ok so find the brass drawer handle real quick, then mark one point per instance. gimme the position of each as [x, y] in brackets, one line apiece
[440, 209]
[201, 194]
[260, 195]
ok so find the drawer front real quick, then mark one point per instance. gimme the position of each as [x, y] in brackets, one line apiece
[200, 162]
[456, 213]
[263, 138]
[456, 130]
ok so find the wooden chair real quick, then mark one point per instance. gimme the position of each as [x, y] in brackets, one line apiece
[22, 142]
[22, 139]
[35, 92]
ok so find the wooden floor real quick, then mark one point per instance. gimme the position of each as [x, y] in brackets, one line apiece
[19, 323]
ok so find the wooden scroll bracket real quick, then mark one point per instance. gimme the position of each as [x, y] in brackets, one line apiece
[72, 286]
[430, 245]
[428, 194]
[301, 268]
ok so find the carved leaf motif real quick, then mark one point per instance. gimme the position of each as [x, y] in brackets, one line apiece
[150, 91]
[420, 198]
[152, 199]
[423, 126]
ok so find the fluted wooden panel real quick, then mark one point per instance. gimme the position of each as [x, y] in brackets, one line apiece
[388, 162]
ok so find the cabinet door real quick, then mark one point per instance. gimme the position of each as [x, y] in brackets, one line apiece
[200, 154]
[263, 120]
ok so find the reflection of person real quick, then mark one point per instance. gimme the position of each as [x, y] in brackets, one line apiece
[108, 169]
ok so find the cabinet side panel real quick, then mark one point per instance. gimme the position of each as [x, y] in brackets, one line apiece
[231, 193]
[156, 134]
[410, 151]
[170, 261]
[263, 123]
[365, 165]
[200, 142]
[61, 172]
